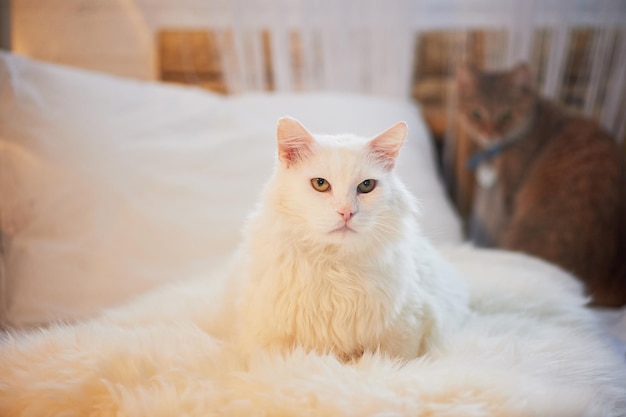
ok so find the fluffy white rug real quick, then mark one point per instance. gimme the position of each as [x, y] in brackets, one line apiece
[530, 349]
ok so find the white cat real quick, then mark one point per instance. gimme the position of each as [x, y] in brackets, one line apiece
[334, 260]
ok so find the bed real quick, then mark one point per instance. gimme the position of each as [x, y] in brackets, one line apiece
[121, 204]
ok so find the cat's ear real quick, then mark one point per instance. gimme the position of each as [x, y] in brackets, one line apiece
[465, 79]
[295, 143]
[386, 146]
[521, 76]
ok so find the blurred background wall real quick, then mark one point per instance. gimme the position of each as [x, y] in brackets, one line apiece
[577, 48]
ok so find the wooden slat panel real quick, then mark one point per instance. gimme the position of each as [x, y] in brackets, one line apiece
[191, 57]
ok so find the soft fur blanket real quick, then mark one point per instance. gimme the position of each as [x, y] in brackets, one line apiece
[529, 349]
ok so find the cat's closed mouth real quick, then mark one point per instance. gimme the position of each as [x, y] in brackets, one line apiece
[343, 229]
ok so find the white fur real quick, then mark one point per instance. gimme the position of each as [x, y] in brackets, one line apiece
[379, 287]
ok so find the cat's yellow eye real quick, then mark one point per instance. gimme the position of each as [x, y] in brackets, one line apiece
[366, 186]
[320, 184]
[476, 114]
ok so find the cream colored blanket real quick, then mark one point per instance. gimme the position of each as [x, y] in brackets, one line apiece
[529, 349]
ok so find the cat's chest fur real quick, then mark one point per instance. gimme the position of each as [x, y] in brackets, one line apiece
[329, 302]
[494, 204]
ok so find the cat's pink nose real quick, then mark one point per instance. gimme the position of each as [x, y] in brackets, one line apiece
[346, 214]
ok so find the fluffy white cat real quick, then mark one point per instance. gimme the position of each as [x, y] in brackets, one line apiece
[334, 260]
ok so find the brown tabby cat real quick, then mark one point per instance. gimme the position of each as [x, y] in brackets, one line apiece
[548, 183]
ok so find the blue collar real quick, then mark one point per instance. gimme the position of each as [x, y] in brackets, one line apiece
[483, 155]
[492, 151]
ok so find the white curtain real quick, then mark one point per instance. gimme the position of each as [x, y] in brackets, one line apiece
[360, 46]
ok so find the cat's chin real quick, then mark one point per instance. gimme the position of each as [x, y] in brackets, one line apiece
[340, 235]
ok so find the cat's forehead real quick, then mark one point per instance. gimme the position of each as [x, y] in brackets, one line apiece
[342, 156]
[495, 87]
[343, 142]
[336, 151]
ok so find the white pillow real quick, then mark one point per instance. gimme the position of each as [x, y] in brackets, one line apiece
[111, 187]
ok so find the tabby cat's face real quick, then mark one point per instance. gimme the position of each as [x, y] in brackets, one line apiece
[495, 106]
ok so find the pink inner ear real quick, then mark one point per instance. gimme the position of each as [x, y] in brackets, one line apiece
[291, 151]
[295, 143]
[386, 146]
